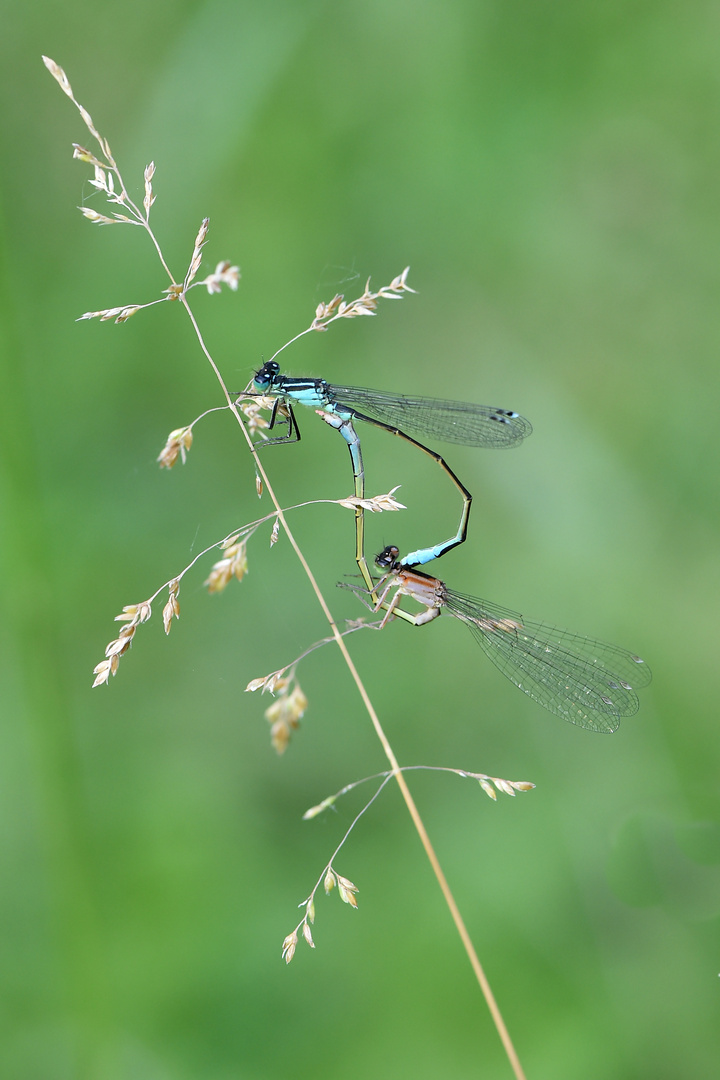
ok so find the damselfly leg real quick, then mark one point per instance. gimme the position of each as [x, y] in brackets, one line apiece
[451, 421]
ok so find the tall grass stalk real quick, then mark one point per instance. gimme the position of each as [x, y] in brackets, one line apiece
[108, 180]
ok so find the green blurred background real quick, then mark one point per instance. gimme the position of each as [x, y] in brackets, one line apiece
[551, 174]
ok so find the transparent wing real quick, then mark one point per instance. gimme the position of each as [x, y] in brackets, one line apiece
[449, 421]
[588, 682]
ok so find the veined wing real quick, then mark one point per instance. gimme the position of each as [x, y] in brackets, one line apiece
[448, 421]
[587, 682]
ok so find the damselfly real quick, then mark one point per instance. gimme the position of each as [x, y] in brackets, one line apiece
[590, 683]
[449, 421]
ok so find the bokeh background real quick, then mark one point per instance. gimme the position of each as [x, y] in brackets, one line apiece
[551, 173]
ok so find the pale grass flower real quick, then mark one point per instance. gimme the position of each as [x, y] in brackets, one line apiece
[63, 82]
[276, 681]
[100, 219]
[252, 409]
[135, 613]
[347, 891]
[225, 274]
[101, 180]
[315, 810]
[118, 314]
[196, 258]
[329, 879]
[132, 615]
[178, 443]
[288, 947]
[172, 608]
[376, 504]
[366, 304]
[59, 75]
[308, 935]
[255, 684]
[104, 670]
[149, 197]
[81, 154]
[234, 564]
[284, 717]
[505, 787]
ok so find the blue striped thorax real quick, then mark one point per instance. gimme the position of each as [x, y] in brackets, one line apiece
[314, 393]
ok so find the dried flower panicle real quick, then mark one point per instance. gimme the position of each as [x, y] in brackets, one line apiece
[107, 180]
[224, 274]
[278, 680]
[132, 615]
[347, 891]
[330, 879]
[117, 314]
[57, 73]
[103, 219]
[232, 565]
[287, 710]
[252, 409]
[178, 443]
[376, 504]
[104, 181]
[284, 715]
[366, 304]
[196, 258]
[505, 787]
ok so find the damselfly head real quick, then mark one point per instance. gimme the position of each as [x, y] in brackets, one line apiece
[387, 558]
[267, 374]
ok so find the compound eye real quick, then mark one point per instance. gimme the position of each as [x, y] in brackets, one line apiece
[387, 556]
[266, 374]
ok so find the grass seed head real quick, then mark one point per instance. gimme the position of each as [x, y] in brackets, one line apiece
[308, 935]
[288, 947]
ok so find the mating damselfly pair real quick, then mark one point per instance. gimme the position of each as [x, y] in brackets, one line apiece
[589, 683]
